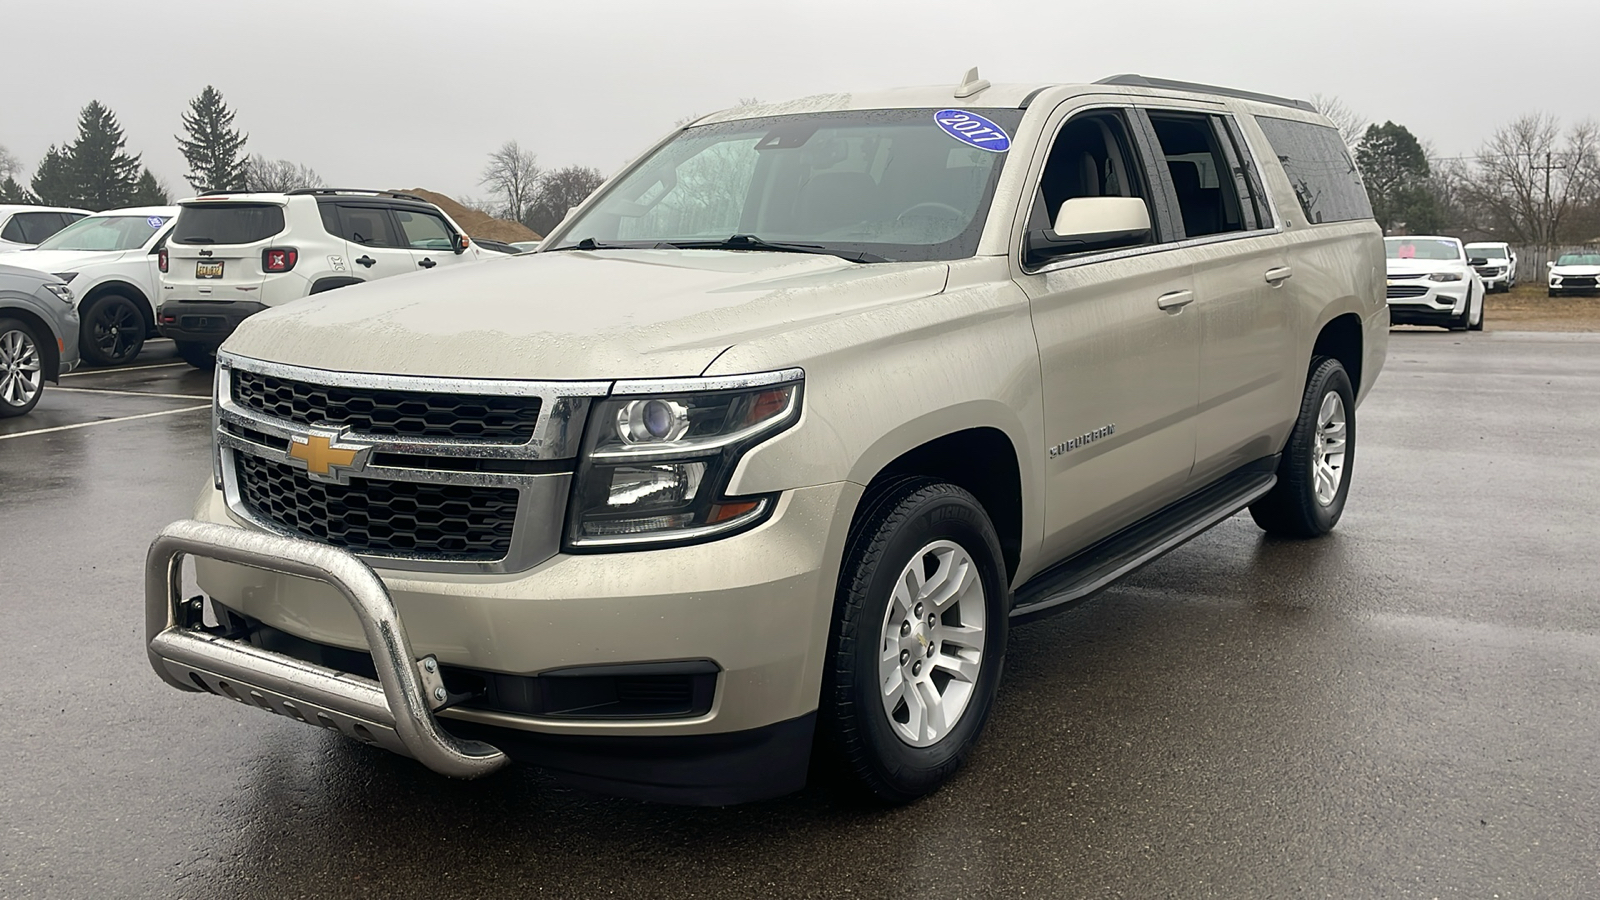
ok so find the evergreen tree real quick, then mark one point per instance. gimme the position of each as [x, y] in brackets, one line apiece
[214, 147]
[11, 192]
[102, 175]
[53, 182]
[1396, 170]
[149, 192]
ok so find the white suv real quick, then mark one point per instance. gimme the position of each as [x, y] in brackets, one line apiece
[1496, 263]
[22, 227]
[233, 255]
[109, 259]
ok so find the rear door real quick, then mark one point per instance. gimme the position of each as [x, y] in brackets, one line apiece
[374, 246]
[430, 238]
[1241, 269]
[214, 252]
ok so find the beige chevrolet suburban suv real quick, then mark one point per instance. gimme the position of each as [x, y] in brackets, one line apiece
[779, 432]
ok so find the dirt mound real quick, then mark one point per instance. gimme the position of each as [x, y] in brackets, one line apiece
[477, 224]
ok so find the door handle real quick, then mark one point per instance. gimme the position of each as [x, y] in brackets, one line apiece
[1279, 275]
[365, 261]
[427, 263]
[1175, 301]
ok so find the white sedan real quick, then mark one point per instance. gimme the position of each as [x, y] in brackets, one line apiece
[1431, 282]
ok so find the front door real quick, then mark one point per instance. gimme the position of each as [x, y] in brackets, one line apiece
[430, 239]
[1119, 348]
[374, 247]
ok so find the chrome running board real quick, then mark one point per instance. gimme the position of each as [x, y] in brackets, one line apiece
[394, 712]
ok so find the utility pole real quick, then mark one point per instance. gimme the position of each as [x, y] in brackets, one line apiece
[1546, 228]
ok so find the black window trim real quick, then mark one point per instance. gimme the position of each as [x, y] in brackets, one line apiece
[1166, 179]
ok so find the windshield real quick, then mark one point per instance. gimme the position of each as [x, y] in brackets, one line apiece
[1487, 251]
[890, 184]
[1422, 248]
[105, 233]
[1579, 259]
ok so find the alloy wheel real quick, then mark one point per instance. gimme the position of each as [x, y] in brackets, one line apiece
[931, 644]
[1327, 454]
[21, 374]
[117, 329]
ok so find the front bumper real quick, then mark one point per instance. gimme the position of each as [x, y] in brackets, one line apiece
[1423, 302]
[207, 322]
[757, 604]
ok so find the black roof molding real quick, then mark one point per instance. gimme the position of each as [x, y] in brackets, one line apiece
[1191, 87]
[394, 195]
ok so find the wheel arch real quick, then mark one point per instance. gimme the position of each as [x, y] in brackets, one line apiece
[332, 281]
[127, 288]
[1341, 338]
[44, 333]
[982, 461]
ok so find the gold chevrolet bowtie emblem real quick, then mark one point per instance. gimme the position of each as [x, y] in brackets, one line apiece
[327, 457]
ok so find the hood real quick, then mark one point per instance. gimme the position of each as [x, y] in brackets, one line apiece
[1425, 266]
[62, 260]
[22, 272]
[1568, 270]
[574, 315]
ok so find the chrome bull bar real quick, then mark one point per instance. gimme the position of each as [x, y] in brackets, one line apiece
[394, 712]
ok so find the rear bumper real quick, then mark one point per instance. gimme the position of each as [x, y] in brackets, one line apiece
[207, 322]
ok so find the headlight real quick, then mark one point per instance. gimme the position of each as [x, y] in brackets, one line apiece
[655, 462]
[65, 276]
[62, 292]
[1444, 276]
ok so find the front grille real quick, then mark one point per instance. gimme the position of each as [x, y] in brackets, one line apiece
[383, 412]
[1488, 271]
[1577, 281]
[1397, 291]
[1403, 276]
[381, 518]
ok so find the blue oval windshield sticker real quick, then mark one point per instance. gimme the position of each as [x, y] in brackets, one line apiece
[154, 221]
[971, 128]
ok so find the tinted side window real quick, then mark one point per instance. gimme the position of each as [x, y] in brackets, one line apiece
[1207, 195]
[424, 231]
[38, 226]
[1325, 179]
[369, 226]
[12, 232]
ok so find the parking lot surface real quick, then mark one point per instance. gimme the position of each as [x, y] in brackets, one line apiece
[1407, 708]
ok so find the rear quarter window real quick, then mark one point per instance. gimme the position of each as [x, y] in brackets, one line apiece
[1325, 178]
[232, 223]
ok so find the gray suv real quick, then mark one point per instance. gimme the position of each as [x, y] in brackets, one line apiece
[38, 336]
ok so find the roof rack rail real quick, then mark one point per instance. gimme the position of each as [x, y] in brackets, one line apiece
[216, 192]
[395, 195]
[1169, 84]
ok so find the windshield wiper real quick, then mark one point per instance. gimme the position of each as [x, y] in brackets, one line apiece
[590, 243]
[753, 242]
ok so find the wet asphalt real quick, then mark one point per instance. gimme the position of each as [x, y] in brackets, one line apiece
[1409, 707]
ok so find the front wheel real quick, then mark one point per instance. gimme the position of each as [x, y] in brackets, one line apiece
[1314, 474]
[113, 331]
[21, 369]
[918, 639]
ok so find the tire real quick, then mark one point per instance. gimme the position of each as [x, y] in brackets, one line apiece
[1465, 320]
[1483, 310]
[1550, 292]
[904, 530]
[113, 331]
[1300, 505]
[201, 356]
[21, 369]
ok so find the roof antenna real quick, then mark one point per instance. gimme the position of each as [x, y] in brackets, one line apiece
[971, 84]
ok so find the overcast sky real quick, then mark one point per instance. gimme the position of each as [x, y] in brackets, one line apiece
[412, 94]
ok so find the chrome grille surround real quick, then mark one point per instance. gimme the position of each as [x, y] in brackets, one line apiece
[543, 484]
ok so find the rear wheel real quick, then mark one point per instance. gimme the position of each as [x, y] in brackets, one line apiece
[918, 639]
[201, 356]
[113, 331]
[21, 369]
[1314, 474]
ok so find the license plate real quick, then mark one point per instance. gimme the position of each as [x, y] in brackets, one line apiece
[208, 270]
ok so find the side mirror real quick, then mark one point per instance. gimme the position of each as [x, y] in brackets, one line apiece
[1089, 224]
[462, 243]
[1550, 265]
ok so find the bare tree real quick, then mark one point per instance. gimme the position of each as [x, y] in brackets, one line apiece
[1351, 124]
[559, 191]
[1531, 184]
[512, 174]
[10, 166]
[274, 175]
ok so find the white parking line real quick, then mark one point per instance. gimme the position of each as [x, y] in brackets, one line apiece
[123, 369]
[131, 393]
[164, 412]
